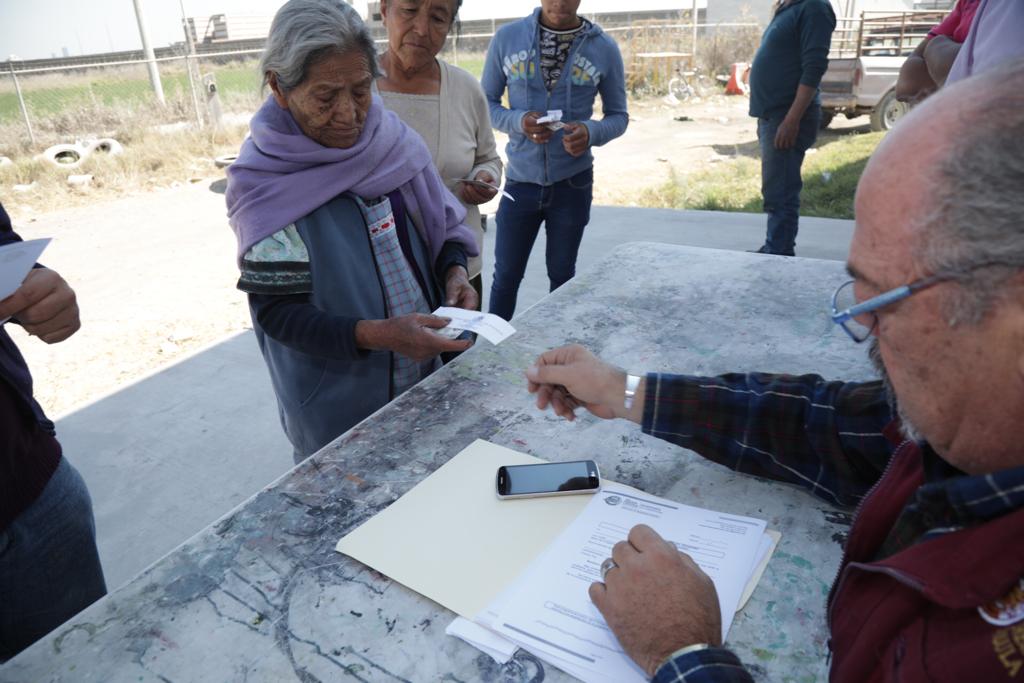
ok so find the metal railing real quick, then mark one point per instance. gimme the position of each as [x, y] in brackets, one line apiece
[882, 33]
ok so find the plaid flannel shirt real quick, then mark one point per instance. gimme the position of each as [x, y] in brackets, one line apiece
[824, 436]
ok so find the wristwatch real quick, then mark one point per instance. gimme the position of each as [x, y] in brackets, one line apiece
[632, 382]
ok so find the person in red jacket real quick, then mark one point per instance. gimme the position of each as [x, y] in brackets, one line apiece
[931, 583]
[925, 70]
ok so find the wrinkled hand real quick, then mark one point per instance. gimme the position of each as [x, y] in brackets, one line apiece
[409, 335]
[45, 305]
[457, 290]
[474, 194]
[536, 132]
[571, 376]
[785, 135]
[576, 139]
[657, 600]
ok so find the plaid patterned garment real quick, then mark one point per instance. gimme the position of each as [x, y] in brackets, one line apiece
[824, 436]
[401, 289]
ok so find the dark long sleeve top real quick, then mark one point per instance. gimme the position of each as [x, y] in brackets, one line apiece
[29, 451]
[793, 52]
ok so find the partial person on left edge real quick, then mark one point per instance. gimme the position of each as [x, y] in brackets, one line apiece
[49, 565]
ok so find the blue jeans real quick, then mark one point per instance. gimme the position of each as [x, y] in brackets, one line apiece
[780, 179]
[564, 208]
[49, 567]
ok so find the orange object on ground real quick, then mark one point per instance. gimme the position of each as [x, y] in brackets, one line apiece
[739, 79]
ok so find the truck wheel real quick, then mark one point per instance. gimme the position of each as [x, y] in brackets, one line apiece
[885, 115]
[826, 118]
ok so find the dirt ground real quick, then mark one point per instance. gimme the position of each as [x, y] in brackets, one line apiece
[155, 272]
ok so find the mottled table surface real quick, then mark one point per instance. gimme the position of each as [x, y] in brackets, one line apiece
[262, 596]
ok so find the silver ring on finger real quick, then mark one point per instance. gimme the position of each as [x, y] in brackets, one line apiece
[607, 566]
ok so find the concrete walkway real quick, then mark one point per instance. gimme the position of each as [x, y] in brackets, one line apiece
[169, 454]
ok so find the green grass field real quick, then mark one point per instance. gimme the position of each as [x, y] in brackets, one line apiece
[52, 94]
[830, 180]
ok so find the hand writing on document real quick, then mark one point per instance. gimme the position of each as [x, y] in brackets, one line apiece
[45, 305]
[569, 377]
[657, 600]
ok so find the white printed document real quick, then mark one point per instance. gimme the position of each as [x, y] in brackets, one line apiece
[16, 260]
[521, 569]
[548, 610]
[489, 326]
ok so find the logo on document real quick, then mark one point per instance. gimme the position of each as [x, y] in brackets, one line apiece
[612, 500]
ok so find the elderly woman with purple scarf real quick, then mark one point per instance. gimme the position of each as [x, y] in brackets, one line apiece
[347, 238]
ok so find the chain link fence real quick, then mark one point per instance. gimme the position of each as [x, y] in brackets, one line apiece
[47, 102]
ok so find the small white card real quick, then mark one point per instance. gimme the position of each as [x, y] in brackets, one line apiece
[489, 326]
[480, 183]
[553, 119]
[16, 260]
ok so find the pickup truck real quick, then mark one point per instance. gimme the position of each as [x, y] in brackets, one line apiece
[864, 62]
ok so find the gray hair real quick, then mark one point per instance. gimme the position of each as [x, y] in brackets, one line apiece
[978, 201]
[305, 31]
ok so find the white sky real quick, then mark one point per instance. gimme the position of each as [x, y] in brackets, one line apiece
[33, 29]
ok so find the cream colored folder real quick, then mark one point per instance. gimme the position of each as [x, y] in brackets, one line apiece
[451, 539]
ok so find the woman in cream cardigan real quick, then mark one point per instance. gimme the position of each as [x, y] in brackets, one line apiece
[441, 102]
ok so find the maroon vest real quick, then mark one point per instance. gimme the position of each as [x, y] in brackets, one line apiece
[914, 616]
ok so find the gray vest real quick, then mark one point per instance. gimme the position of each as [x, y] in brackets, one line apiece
[320, 398]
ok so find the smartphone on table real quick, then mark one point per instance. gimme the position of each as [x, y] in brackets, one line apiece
[547, 479]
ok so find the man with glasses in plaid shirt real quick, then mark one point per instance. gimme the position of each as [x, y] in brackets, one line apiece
[931, 586]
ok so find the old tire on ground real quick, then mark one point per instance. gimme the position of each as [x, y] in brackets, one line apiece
[225, 160]
[65, 155]
[107, 146]
[826, 118]
[888, 111]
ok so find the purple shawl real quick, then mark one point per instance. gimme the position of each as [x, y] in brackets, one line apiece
[281, 175]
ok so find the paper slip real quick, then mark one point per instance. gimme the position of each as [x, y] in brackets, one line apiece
[16, 260]
[553, 119]
[549, 611]
[487, 325]
[480, 183]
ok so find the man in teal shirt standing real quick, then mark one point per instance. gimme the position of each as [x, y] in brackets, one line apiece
[784, 97]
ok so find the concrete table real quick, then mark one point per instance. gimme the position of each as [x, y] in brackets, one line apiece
[262, 596]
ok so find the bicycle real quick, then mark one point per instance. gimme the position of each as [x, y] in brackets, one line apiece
[687, 84]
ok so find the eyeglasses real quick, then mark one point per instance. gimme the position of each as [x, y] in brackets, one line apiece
[860, 319]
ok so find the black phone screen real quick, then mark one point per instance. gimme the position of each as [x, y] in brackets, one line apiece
[579, 475]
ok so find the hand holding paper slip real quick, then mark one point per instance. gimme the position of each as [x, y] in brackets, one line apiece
[489, 326]
[480, 183]
[16, 260]
[553, 119]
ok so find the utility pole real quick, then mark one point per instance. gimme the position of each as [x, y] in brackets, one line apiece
[190, 65]
[693, 51]
[154, 73]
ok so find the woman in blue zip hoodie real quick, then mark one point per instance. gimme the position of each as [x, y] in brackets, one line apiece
[551, 60]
